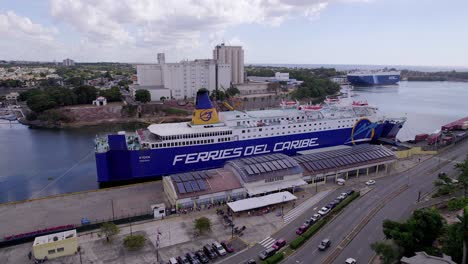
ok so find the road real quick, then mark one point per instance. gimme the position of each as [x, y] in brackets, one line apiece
[420, 179]
[400, 200]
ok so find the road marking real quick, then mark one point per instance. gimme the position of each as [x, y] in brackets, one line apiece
[300, 209]
[267, 242]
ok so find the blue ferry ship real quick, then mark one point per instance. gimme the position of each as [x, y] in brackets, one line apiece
[212, 138]
[373, 78]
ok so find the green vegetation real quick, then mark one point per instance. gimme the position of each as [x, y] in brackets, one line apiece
[218, 95]
[40, 100]
[10, 83]
[143, 96]
[387, 250]
[276, 258]
[434, 76]
[202, 224]
[463, 177]
[316, 85]
[134, 242]
[418, 233]
[296, 243]
[452, 241]
[109, 230]
[232, 91]
[457, 203]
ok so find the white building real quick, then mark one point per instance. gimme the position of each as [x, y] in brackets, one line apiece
[185, 78]
[56, 245]
[234, 56]
[68, 62]
[282, 76]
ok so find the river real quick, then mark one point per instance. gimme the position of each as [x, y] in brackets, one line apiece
[41, 162]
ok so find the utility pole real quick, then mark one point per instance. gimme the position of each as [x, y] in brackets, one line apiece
[112, 205]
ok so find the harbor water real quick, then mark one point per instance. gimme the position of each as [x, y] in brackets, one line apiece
[41, 162]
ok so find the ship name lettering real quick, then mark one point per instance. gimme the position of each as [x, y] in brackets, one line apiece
[208, 155]
[256, 150]
[295, 144]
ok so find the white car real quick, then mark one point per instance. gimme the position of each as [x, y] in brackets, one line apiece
[324, 210]
[350, 261]
[370, 182]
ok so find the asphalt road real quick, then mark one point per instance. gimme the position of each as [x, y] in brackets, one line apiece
[420, 178]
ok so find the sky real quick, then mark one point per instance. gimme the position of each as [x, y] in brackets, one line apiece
[373, 32]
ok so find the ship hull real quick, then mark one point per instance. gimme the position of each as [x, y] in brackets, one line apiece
[373, 79]
[123, 165]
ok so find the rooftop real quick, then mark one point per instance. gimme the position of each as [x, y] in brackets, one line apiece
[54, 237]
[332, 160]
[198, 183]
[262, 201]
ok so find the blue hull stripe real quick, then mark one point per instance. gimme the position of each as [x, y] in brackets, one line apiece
[119, 164]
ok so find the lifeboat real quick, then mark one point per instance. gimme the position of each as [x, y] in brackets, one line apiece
[312, 107]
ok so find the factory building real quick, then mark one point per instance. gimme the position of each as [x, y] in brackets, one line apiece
[233, 56]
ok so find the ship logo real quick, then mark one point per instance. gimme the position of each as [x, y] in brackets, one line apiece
[363, 130]
[206, 115]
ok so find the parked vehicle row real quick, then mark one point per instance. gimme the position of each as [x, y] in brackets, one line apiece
[322, 212]
[271, 251]
[205, 254]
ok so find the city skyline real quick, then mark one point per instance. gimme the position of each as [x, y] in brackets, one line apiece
[364, 32]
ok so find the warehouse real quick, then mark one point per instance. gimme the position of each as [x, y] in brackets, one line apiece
[343, 163]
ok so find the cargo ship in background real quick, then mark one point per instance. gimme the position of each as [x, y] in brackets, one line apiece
[212, 138]
[370, 78]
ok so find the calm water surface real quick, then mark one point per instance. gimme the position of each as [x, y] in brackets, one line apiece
[37, 162]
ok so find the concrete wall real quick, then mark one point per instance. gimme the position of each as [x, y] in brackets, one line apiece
[403, 154]
[149, 75]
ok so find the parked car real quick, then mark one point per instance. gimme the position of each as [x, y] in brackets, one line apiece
[316, 217]
[350, 261]
[350, 192]
[308, 223]
[340, 181]
[182, 260]
[301, 230]
[250, 261]
[324, 244]
[342, 196]
[192, 258]
[227, 246]
[324, 210]
[279, 244]
[442, 174]
[267, 253]
[209, 251]
[219, 249]
[370, 182]
[202, 257]
[173, 261]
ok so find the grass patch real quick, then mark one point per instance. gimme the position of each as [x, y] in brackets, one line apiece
[174, 111]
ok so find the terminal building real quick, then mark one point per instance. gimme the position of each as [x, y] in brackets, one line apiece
[275, 177]
[56, 245]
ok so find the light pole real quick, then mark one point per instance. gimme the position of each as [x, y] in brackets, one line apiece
[112, 205]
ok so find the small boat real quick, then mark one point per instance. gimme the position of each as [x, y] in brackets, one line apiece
[310, 107]
[360, 103]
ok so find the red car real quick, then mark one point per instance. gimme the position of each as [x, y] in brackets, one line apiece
[279, 244]
[227, 246]
[301, 230]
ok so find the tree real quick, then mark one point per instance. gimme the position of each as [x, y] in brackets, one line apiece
[40, 102]
[202, 224]
[464, 222]
[417, 233]
[232, 91]
[109, 229]
[143, 96]
[134, 242]
[112, 95]
[387, 250]
[452, 242]
[218, 95]
[85, 94]
[463, 177]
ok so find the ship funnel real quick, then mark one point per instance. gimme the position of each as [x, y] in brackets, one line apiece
[204, 113]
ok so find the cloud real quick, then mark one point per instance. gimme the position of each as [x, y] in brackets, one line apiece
[178, 23]
[19, 27]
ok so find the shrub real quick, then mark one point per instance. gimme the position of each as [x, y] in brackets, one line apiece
[174, 111]
[134, 242]
[457, 203]
[297, 242]
[202, 224]
[31, 116]
[276, 258]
